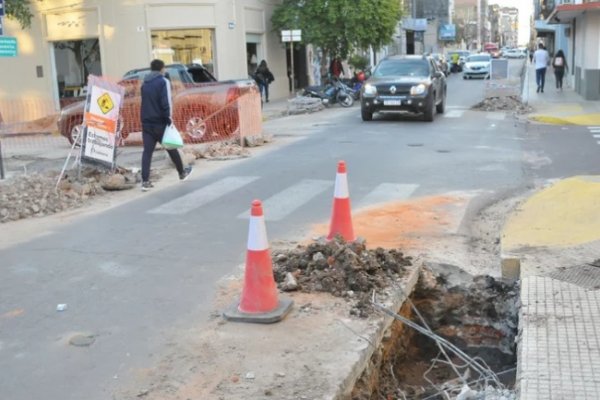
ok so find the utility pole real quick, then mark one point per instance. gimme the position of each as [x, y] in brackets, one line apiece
[479, 47]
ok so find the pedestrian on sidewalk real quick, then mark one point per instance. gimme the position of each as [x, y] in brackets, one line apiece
[336, 68]
[156, 115]
[559, 63]
[264, 77]
[541, 58]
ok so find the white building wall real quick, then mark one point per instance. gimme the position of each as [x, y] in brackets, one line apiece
[123, 28]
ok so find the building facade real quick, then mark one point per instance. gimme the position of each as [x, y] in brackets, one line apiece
[579, 22]
[70, 39]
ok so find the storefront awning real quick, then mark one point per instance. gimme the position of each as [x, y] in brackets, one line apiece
[565, 13]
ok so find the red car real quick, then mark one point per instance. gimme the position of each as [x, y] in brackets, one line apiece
[204, 109]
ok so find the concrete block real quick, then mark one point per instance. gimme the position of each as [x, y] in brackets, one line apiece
[511, 267]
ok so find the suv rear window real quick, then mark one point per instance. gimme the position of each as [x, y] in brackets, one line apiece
[402, 68]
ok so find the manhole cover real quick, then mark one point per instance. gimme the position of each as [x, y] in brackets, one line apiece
[585, 276]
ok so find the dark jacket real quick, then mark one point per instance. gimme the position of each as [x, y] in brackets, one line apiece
[264, 75]
[157, 108]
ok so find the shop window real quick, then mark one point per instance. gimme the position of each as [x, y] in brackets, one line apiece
[184, 46]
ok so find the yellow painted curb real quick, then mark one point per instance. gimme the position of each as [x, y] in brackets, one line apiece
[565, 214]
[581, 119]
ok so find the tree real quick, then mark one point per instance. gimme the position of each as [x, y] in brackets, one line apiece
[19, 10]
[340, 26]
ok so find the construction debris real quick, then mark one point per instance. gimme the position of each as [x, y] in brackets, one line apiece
[343, 269]
[37, 195]
[304, 105]
[508, 103]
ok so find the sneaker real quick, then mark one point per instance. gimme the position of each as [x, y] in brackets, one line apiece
[147, 186]
[187, 171]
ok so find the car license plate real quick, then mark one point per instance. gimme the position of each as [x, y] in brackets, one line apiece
[392, 102]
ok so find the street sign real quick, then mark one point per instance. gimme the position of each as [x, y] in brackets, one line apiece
[100, 120]
[1, 27]
[291, 36]
[448, 32]
[1, 8]
[8, 46]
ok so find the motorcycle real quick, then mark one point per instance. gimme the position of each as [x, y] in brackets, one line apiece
[334, 92]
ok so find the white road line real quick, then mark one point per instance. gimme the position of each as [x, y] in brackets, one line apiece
[596, 135]
[282, 204]
[593, 127]
[594, 130]
[598, 141]
[203, 196]
[388, 192]
[454, 114]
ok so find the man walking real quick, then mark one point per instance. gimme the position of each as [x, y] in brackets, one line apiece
[541, 58]
[157, 114]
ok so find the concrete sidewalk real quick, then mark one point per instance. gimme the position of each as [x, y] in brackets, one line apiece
[558, 107]
[555, 236]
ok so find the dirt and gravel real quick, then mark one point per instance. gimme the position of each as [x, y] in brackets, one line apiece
[344, 269]
[38, 195]
[508, 103]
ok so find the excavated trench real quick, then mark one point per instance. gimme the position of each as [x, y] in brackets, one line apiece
[477, 315]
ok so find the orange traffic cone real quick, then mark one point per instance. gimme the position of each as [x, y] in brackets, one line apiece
[259, 301]
[341, 218]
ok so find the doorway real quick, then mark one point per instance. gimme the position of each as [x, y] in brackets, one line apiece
[254, 52]
[74, 61]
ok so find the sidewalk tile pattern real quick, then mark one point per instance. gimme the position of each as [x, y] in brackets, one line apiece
[559, 341]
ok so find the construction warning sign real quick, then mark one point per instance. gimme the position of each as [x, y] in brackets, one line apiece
[105, 102]
[101, 121]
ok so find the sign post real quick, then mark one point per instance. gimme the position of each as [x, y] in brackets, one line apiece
[2, 13]
[291, 37]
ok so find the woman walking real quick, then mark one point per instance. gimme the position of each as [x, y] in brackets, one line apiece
[560, 65]
[264, 78]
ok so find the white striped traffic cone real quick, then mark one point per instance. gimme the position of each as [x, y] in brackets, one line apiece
[341, 218]
[259, 301]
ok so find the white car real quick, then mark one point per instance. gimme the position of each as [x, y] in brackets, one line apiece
[477, 65]
[514, 53]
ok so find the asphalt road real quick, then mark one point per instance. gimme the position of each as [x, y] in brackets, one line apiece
[133, 275]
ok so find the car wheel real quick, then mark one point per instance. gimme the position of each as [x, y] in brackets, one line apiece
[196, 128]
[429, 110]
[366, 115]
[441, 107]
[465, 77]
[76, 135]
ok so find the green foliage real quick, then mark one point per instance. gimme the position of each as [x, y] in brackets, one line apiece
[358, 62]
[339, 26]
[19, 10]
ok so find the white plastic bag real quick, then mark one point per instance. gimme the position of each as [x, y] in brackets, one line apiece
[172, 138]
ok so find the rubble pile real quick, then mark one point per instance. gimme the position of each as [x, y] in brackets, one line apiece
[343, 269]
[304, 105]
[508, 103]
[37, 195]
[219, 151]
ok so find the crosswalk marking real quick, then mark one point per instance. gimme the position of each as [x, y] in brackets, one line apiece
[203, 195]
[289, 200]
[595, 131]
[388, 192]
[596, 135]
[454, 114]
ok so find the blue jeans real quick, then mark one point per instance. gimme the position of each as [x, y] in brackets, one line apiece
[540, 77]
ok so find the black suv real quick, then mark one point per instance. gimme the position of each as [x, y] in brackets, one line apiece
[404, 83]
